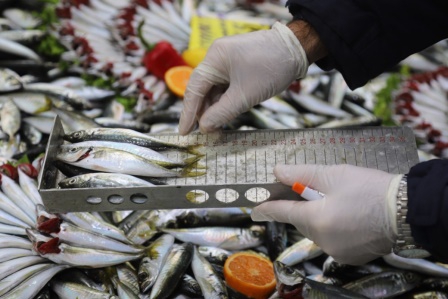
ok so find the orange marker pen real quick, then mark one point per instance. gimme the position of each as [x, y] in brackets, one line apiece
[306, 193]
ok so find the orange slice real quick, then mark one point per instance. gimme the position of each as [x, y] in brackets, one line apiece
[250, 274]
[176, 78]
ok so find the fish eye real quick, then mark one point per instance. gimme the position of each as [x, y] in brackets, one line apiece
[77, 134]
[74, 149]
[409, 276]
[142, 276]
[72, 181]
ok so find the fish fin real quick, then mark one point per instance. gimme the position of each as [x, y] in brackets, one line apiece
[191, 171]
[229, 241]
[194, 150]
[192, 160]
[47, 107]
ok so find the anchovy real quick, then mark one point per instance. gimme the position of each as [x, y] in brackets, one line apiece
[128, 276]
[23, 36]
[172, 271]
[214, 255]
[76, 290]
[22, 18]
[9, 282]
[108, 122]
[125, 292]
[62, 253]
[14, 265]
[31, 286]
[301, 251]
[8, 241]
[29, 187]
[211, 285]
[16, 48]
[151, 265]
[12, 230]
[95, 180]
[224, 237]
[317, 105]
[8, 219]
[7, 205]
[43, 124]
[416, 265]
[190, 287]
[74, 121]
[7, 254]
[91, 223]
[15, 193]
[314, 289]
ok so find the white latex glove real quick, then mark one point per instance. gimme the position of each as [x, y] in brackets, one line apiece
[356, 220]
[238, 73]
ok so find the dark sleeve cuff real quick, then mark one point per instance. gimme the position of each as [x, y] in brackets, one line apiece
[365, 38]
[428, 206]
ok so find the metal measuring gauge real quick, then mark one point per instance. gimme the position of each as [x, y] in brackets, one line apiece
[238, 167]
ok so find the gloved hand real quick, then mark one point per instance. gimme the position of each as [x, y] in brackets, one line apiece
[238, 73]
[356, 220]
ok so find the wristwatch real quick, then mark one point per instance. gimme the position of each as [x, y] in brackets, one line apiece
[405, 245]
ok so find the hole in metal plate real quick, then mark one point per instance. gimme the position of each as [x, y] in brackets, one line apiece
[139, 198]
[94, 200]
[227, 195]
[197, 196]
[257, 194]
[115, 199]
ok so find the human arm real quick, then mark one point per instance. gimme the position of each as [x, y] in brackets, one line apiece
[365, 38]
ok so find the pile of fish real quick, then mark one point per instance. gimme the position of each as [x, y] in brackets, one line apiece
[169, 253]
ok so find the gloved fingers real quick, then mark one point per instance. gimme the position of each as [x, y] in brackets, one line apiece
[225, 109]
[286, 211]
[319, 177]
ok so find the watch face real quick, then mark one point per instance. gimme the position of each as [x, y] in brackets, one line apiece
[412, 252]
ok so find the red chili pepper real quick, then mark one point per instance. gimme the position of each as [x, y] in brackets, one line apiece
[159, 58]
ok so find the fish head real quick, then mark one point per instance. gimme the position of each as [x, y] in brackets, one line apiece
[412, 278]
[288, 275]
[28, 169]
[257, 231]
[76, 136]
[9, 80]
[147, 274]
[69, 183]
[73, 153]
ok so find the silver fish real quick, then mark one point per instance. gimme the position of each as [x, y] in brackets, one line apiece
[15, 193]
[278, 105]
[316, 105]
[416, 265]
[288, 275]
[22, 18]
[43, 124]
[7, 205]
[74, 121]
[68, 290]
[12, 230]
[29, 102]
[172, 271]
[10, 119]
[301, 251]
[125, 292]
[385, 284]
[7, 254]
[214, 255]
[91, 223]
[16, 48]
[61, 93]
[62, 253]
[95, 180]
[14, 265]
[23, 36]
[127, 275]
[224, 237]
[151, 265]
[31, 134]
[262, 121]
[29, 187]
[211, 285]
[9, 80]
[110, 160]
[315, 289]
[108, 122]
[77, 236]
[8, 219]
[8, 241]
[130, 221]
[31, 286]
[143, 152]
[9, 282]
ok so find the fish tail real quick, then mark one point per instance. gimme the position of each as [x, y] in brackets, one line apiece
[47, 107]
[194, 150]
[191, 171]
[191, 160]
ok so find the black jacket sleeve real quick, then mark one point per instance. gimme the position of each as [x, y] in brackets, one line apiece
[428, 206]
[366, 37]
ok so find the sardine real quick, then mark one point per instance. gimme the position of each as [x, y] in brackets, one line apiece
[190, 287]
[62, 253]
[177, 262]
[224, 237]
[214, 255]
[276, 239]
[62, 93]
[7, 254]
[12, 47]
[10, 119]
[103, 180]
[78, 276]
[314, 289]
[125, 292]
[71, 290]
[74, 121]
[7, 205]
[12, 230]
[288, 275]
[211, 285]
[9, 282]
[301, 251]
[8, 241]
[127, 275]
[15, 193]
[14, 265]
[417, 265]
[151, 265]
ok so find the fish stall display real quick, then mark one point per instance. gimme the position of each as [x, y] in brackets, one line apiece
[105, 68]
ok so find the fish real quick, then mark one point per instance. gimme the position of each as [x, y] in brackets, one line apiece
[385, 284]
[64, 94]
[108, 122]
[8, 206]
[155, 117]
[76, 290]
[129, 221]
[110, 160]
[125, 135]
[316, 105]
[276, 239]
[125, 292]
[62, 253]
[417, 265]
[127, 275]
[91, 223]
[32, 285]
[224, 237]
[288, 275]
[276, 104]
[80, 277]
[118, 216]
[144, 229]
[151, 265]
[10, 119]
[299, 252]
[9, 282]
[350, 273]
[23, 36]
[15, 48]
[74, 121]
[212, 286]
[430, 295]
[103, 180]
[9, 253]
[9, 241]
[190, 287]
[9, 81]
[12, 230]
[351, 122]
[9, 267]
[29, 186]
[43, 124]
[177, 262]
[12, 190]
[214, 255]
[30, 134]
[8, 219]
[21, 18]
[261, 121]
[314, 289]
